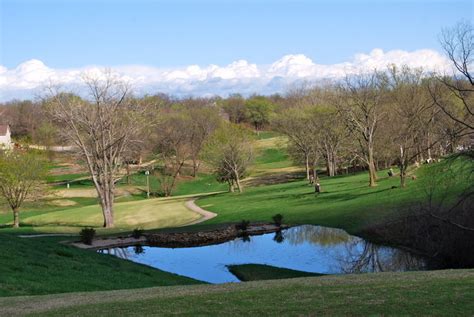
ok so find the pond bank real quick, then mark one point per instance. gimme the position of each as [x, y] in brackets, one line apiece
[183, 239]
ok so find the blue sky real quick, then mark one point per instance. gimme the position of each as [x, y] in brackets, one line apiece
[67, 34]
[205, 48]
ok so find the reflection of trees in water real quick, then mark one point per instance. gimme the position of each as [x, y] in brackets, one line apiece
[362, 256]
[138, 249]
[240, 244]
[278, 238]
[316, 235]
[123, 253]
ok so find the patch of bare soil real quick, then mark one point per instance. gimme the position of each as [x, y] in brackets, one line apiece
[68, 168]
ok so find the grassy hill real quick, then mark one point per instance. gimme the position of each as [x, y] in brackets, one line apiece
[45, 266]
[346, 201]
[439, 293]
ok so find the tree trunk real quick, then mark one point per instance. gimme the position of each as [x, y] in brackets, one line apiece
[16, 217]
[195, 167]
[237, 181]
[108, 217]
[372, 170]
[307, 166]
[128, 174]
[402, 175]
[107, 209]
[315, 173]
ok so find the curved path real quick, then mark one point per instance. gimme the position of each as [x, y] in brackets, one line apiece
[206, 215]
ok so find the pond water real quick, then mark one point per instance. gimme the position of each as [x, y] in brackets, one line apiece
[305, 248]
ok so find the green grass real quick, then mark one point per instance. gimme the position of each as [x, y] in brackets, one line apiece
[203, 183]
[272, 158]
[257, 272]
[33, 209]
[44, 266]
[147, 214]
[437, 293]
[346, 201]
[262, 135]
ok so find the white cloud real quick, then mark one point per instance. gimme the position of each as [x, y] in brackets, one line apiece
[30, 77]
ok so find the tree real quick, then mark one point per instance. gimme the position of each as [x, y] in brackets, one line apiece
[234, 107]
[258, 111]
[230, 152]
[411, 114]
[295, 123]
[102, 128]
[173, 148]
[361, 104]
[202, 123]
[458, 43]
[46, 135]
[22, 175]
[328, 129]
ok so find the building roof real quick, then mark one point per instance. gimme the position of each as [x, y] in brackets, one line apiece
[3, 129]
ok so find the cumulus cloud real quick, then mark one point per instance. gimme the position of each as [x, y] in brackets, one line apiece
[30, 77]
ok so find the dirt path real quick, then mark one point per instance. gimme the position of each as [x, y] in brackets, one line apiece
[206, 215]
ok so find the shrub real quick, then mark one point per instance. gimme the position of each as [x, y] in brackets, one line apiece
[87, 235]
[278, 219]
[243, 225]
[137, 233]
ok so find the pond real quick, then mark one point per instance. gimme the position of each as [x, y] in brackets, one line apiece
[305, 248]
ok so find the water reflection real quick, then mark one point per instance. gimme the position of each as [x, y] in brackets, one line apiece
[362, 256]
[323, 236]
[279, 237]
[306, 248]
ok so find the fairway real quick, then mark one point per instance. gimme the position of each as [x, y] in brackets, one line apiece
[346, 201]
[145, 214]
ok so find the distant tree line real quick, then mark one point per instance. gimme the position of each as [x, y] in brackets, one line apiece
[393, 116]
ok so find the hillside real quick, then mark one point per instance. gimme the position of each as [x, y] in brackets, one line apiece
[441, 293]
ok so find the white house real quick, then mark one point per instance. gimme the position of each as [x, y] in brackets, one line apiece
[5, 137]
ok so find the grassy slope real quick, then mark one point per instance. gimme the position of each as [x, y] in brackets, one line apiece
[44, 266]
[424, 293]
[346, 201]
[147, 214]
[257, 272]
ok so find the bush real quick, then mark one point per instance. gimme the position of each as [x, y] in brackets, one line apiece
[137, 233]
[87, 235]
[278, 219]
[243, 225]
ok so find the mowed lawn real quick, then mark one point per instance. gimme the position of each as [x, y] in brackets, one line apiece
[346, 201]
[33, 266]
[435, 293]
[145, 214]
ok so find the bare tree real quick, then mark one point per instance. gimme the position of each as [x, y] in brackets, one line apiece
[102, 128]
[22, 176]
[410, 114]
[458, 43]
[173, 148]
[202, 123]
[295, 123]
[361, 104]
[329, 132]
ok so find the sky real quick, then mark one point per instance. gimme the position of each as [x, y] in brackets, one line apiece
[215, 47]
